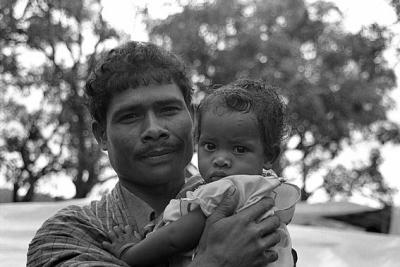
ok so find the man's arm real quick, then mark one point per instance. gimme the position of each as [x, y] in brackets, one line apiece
[72, 237]
[238, 240]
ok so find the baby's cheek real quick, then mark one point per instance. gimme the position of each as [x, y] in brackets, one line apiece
[203, 164]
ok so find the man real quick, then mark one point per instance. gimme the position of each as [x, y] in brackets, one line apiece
[139, 96]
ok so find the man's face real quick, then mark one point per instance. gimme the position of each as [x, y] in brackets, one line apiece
[149, 135]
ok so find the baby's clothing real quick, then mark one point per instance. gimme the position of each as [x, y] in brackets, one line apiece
[251, 190]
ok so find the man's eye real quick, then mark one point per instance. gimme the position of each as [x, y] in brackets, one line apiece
[130, 117]
[239, 149]
[209, 147]
[170, 110]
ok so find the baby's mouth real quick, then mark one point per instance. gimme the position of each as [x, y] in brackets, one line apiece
[217, 175]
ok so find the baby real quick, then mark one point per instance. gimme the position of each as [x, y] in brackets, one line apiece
[239, 131]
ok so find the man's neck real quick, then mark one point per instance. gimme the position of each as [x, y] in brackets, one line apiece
[157, 197]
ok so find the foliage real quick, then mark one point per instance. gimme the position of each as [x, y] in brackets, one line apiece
[55, 137]
[396, 6]
[335, 82]
[365, 180]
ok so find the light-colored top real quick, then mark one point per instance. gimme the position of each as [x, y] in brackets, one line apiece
[251, 189]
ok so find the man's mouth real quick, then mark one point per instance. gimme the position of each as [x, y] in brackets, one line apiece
[157, 154]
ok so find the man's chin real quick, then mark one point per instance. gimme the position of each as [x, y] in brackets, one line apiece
[153, 180]
[159, 174]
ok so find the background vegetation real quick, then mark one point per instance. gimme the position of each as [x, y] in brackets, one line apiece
[336, 83]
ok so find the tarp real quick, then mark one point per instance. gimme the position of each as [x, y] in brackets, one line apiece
[316, 246]
[395, 221]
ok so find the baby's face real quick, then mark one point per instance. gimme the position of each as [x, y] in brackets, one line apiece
[229, 143]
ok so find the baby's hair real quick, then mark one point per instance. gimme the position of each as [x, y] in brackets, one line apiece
[132, 65]
[249, 96]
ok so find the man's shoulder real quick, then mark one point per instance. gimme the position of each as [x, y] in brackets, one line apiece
[73, 222]
[70, 217]
[73, 235]
[95, 213]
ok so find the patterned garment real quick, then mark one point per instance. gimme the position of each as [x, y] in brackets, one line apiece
[73, 236]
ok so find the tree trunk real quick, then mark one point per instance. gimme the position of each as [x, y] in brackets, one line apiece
[86, 176]
[78, 182]
[304, 194]
[29, 195]
[15, 192]
[84, 187]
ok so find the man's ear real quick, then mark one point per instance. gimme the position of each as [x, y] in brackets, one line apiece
[271, 157]
[99, 131]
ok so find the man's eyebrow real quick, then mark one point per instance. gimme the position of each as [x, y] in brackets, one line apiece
[137, 106]
[124, 108]
[168, 101]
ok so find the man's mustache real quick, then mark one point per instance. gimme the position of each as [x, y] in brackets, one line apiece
[156, 149]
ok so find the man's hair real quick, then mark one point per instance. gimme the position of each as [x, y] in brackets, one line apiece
[250, 96]
[132, 65]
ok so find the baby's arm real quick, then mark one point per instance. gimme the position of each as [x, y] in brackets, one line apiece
[121, 240]
[179, 236]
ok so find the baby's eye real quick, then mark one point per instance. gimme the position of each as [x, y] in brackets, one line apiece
[209, 147]
[239, 149]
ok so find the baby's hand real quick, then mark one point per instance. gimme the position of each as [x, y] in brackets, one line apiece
[121, 239]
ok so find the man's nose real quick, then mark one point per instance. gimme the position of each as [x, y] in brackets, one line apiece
[222, 161]
[153, 130]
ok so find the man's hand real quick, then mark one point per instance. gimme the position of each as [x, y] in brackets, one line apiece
[240, 239]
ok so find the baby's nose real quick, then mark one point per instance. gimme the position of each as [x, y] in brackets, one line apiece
[222, 162]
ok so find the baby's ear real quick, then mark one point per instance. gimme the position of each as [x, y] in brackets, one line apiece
[271, 156]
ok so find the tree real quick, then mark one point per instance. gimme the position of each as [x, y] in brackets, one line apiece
[56, 137]
[365, 180]
[396, 5]
[335, 83]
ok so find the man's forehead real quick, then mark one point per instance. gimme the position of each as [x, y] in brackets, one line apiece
[146, 95]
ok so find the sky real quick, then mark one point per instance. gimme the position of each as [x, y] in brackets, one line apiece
[124, 16]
